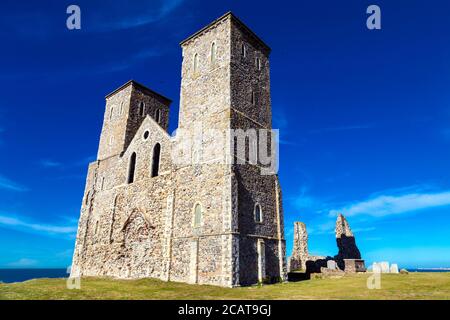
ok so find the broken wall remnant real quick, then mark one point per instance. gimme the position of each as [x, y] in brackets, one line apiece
[346, 243]
[300, 250]
[348, 258]
[301, 259]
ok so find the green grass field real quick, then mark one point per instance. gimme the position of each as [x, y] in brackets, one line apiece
[393, 286]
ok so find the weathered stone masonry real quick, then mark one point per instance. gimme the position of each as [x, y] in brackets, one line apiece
[135, 223]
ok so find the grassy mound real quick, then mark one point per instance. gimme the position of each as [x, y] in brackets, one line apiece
[393, 286]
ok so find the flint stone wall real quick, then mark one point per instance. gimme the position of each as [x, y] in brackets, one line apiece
[146, 228]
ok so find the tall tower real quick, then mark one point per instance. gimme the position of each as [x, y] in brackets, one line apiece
[126, 108]
[226, 86]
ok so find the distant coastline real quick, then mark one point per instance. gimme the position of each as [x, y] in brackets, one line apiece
[20, 275]
[435, 269]
[428, 269]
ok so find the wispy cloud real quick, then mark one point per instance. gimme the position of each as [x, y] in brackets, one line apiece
[50, 163]
[127, 62]
[20, 223]
[304, 200]
[24, 262]
[390, 204]
[147, 14]
[341, 128]
[10, 185]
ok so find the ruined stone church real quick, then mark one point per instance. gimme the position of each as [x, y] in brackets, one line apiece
[210, 222]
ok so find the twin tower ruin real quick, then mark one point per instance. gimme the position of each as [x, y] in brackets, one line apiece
[145, 214]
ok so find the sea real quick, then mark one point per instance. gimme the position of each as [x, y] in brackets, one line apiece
[19, 275]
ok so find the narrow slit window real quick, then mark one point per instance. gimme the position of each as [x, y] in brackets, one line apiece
[258, 63]
[253, 97]
[142, 109]
[213, 52]
[258, 213]
[156, 159]
[132, 168]
[111, 113]
[243, 50]
[195, 63]
[158, 115]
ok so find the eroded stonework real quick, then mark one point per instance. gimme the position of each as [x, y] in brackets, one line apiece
[347, 246]
[348, 258]
[138, 217]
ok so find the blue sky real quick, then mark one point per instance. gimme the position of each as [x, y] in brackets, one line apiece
[364, 116]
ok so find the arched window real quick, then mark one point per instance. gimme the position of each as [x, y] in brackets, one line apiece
[243, 50]
[142, 109]
[132, 168]
[111, 113]
[197, 215]
[155, 159]
[253, 97]
[121, 108]
[258, 213]
[158, 115]
[195, 63]
[213, 52]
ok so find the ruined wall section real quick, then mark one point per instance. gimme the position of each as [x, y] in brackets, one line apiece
[300, 253]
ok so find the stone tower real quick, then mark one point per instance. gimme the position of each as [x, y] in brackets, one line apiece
[126, 108]
[211, 219]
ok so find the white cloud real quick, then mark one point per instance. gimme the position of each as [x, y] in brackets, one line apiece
[342, 128]
[24, 262]
[384, 205]
[304, 200]
[21, 224]
[142, 16]
[50, 163]
[8, 184]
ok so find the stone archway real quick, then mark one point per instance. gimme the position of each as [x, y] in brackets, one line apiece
[136, 245]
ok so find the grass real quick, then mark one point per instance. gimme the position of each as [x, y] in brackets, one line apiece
[393, 287]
